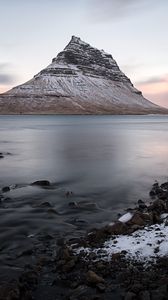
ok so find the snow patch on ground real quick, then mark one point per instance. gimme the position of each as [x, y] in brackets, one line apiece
[143, 245]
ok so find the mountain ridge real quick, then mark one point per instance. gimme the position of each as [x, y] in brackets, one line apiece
[80, 80]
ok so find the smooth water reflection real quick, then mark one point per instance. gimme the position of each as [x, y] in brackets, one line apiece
[110, 161]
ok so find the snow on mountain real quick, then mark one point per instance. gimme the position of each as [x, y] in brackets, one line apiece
[80, 80]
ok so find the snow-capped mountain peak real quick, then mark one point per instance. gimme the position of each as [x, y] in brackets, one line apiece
[80, 80]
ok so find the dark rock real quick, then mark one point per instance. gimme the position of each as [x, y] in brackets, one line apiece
[9, 291]
[117, 228]
[101, 287]
[5, 189]
[136, 288]
[73, 204]
[164, 185]
[145, 295]
[69, 265]
[93, 278]
[140, 201]
[158, 206]
[137, 219]
[29, 278]
[152, 193]
[52, 211]
[130, 296]
[116, 256]
[80, 291]
[45, 204]
[42, 183]
[142, 206]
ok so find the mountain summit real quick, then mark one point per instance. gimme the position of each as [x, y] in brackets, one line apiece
[80, 80]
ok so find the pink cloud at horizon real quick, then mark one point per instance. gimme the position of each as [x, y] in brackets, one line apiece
[155, 89]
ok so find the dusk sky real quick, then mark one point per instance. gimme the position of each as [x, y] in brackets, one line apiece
[133, 31]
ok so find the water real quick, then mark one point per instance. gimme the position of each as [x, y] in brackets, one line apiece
[108, 162]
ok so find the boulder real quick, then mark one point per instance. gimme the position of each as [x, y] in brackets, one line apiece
[93, 278]
[42, 183]
[117, 228]
[5, 189]
[137, 219]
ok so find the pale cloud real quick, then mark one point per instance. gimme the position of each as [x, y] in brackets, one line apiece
[154, 80]
[5, 78]
[106, 10]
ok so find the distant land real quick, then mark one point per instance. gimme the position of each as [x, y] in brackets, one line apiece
[80, 80]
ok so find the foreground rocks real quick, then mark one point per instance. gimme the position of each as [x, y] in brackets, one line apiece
[57, 272]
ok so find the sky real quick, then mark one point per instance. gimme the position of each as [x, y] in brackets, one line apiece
[133, 31]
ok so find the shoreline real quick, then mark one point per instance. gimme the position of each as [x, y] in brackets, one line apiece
[64, 270]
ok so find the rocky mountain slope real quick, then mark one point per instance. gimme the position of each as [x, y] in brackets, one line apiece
[80, 80]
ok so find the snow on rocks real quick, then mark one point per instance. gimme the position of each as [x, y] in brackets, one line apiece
[140, 235]
[125, 218]
[143, 245]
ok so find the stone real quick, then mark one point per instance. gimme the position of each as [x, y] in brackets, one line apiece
[5, 189]
[69, 266]
[145, 295]
[78, 292]
[101, 287]
[117, 228]
[45, 204]
[164, 185]
[93, 278]
[136, 288]
[158, 206]
[130, 296]
[42, 183]
[137, 219]
[116, 256]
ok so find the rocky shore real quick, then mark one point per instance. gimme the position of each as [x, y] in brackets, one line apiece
[127, 259]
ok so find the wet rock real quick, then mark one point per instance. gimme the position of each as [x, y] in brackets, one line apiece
[130, 296]
[29, 279]
[26, 252]
[160, 293]
[5, 189]
[52, 211]
[9, 292]
[80, 291]
[117, 228]
[45, 204]
[69, 193]
[101, 287]
[69, 266]
[137, 219]
[141, 204]
[73, 204]
[93, 278]
[116, 256]
[145, 295]
[158, 206]
[164, 185]
[41, 183]
[135, 227]
[136, 288]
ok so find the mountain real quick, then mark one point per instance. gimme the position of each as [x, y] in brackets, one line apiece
[80, 80]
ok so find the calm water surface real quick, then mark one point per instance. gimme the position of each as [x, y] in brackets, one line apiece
[108, 162]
